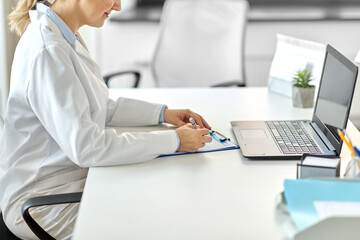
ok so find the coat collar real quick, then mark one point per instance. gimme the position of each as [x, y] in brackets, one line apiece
[64, 29]
[78, 45]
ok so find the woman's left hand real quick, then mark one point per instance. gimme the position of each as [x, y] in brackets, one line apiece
[180, 117]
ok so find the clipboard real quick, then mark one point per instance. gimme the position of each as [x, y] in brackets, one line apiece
[219, 143]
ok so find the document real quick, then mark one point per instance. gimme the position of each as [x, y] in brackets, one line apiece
[302, 194]
[326, 209]
[215, 145]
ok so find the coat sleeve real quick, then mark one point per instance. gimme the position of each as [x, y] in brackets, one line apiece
[125, 112]
[59, 101]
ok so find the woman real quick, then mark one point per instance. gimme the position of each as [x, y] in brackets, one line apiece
[57, 110]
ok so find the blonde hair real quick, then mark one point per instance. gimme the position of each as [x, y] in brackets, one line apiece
[19, 19]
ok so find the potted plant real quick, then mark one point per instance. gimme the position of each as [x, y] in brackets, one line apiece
[303, 91]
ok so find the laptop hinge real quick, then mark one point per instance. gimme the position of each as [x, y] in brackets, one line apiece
[322, 136]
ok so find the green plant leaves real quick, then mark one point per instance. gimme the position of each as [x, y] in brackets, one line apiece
[302, 79]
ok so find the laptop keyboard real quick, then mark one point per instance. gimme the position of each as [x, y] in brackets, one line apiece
[292, 137]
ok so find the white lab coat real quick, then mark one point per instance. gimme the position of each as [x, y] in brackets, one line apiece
[55, 127]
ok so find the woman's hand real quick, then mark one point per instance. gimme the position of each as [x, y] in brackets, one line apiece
[192, 139]
[180, 117]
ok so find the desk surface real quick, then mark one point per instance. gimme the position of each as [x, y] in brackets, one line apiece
[219, 195]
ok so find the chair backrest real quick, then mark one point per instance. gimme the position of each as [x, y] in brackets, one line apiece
[201, 43]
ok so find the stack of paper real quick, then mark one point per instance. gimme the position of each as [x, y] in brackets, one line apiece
[310, 200]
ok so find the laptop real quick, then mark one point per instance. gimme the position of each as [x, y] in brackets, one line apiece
[292, 139]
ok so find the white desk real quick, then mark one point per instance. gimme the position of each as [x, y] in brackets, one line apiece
[217, 195]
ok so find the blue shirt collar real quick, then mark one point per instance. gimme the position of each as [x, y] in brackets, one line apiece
[64, 29]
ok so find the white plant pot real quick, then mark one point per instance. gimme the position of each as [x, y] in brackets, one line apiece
[303, 97]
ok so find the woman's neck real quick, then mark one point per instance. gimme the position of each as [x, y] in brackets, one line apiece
[66, 11]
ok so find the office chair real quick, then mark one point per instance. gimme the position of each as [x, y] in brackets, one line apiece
[6, 234]
[114, 80]
[201, 44]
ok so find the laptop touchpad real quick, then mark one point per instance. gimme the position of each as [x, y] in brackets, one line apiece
[253, 133]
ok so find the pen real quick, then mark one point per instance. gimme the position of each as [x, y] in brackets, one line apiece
[357, 151]
[192, 121]
[341, 134]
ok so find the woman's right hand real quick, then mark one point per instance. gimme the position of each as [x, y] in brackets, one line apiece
[192, 139]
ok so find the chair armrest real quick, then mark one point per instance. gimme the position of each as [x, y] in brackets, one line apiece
[135, 73]
[45, 201]
[230, 84]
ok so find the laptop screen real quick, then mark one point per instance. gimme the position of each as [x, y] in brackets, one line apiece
[335, 95]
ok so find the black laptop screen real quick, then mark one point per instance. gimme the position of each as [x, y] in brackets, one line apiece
[335, 94]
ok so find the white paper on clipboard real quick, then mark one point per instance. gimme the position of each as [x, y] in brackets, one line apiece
[292, 54]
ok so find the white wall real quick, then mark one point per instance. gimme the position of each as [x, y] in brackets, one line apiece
[8, 43]
[3, 65]
[91, 34]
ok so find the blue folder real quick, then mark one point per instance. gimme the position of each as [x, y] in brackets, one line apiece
[300, 195]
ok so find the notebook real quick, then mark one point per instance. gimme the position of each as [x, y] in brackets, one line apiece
[274, 140]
